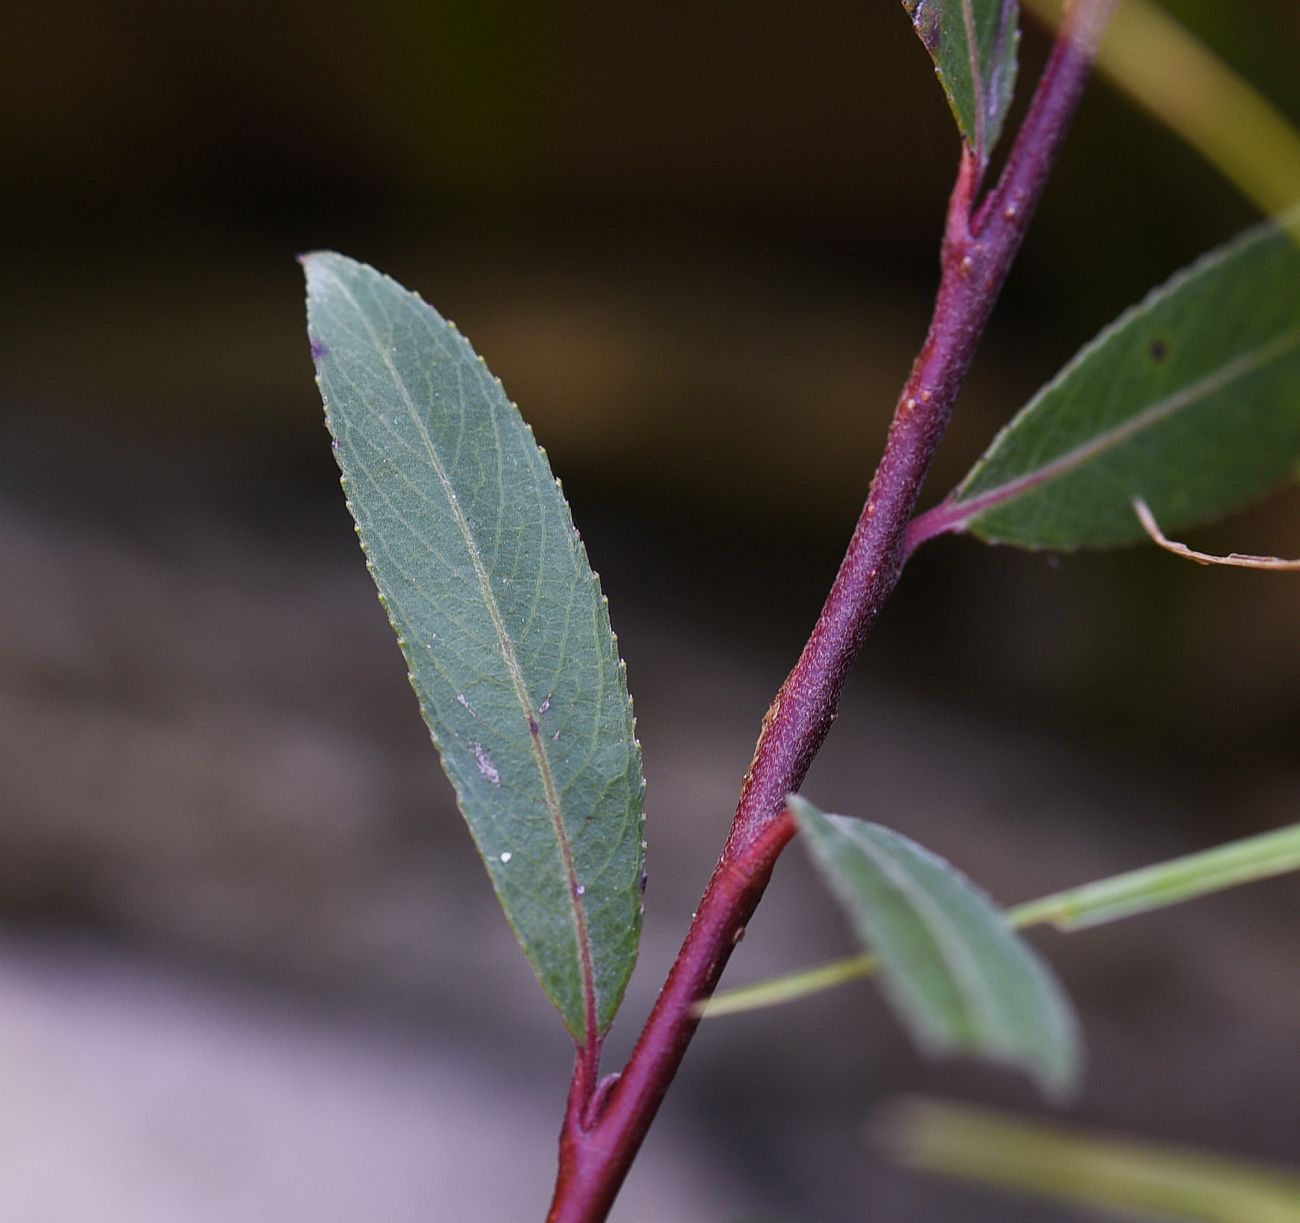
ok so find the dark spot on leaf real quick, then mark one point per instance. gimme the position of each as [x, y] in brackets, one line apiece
[1159, 350]
[532, 726]
[319, 349]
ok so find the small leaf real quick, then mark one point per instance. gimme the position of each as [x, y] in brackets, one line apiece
[957, 974]
[502, 623]
[1144, 890]
[973, 45]
[1190, 401]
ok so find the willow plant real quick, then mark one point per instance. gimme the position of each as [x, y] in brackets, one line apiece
[1184, 409]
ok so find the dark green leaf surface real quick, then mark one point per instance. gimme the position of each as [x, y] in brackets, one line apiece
[957, 974]
[502, 622]
[973, 45]
[1191, 401]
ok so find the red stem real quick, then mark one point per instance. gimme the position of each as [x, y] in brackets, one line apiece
[595, 1157]
[604, 1126]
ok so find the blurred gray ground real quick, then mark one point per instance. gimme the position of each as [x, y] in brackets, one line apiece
[139, 1093]
[252, 969]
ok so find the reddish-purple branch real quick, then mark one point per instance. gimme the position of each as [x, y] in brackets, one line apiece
[595, 1158]
[605, 1123]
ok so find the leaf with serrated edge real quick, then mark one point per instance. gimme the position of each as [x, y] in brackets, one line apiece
[1191, 401]
[502, 623]
[973, 44]
[958, 976]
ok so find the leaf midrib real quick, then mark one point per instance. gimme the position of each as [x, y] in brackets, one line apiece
[943, 931]
[506, 645]
[976, 75]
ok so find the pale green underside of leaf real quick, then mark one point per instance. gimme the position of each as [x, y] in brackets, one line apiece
[1191, 400]
[502, 622]
[973, 44]
[1130, 894]
[958, 976]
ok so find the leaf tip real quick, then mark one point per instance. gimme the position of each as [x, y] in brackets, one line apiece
[310, 260]
[1061, 1084]
[319, 266]
[925, 21]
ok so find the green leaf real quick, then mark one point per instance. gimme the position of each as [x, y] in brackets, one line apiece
[1091, 904]
[1190, 401]
[1099, 1171]
[958, 976]
[973, 45]
[502, 623]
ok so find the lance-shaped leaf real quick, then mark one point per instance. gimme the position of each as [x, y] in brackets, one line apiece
[1190, 401]
[973, 45]
[1144, 890]
[956, 973]
[502, 622]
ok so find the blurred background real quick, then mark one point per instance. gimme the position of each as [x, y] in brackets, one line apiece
[249, 964]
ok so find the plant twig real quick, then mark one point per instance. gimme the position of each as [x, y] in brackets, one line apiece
[596, 1154]
[1240, 560]
[979, 245]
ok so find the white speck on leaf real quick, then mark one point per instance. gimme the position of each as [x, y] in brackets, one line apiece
[506, 855]
[486, 765]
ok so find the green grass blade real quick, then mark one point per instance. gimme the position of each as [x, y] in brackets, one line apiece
[500, 617]
[788, 987]
[1166, 70]
[1103, 1172]
[957, 975]
[1167, 883]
